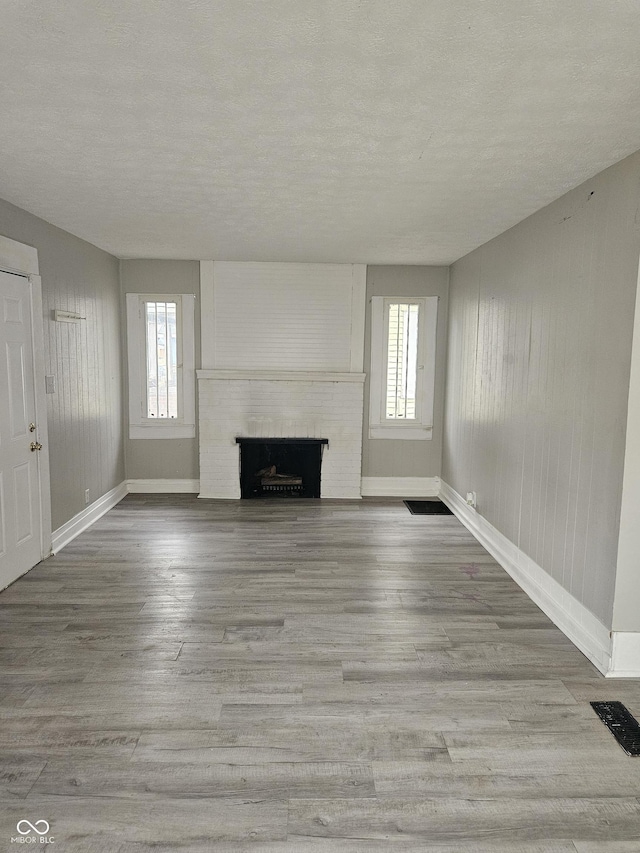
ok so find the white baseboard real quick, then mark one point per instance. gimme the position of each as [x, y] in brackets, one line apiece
[625, 655]
[400, 487]
[167, 487]
[579, 624]
[80, 522]
[83, 520]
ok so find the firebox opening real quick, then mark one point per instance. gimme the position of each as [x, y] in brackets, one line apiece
[280, 467]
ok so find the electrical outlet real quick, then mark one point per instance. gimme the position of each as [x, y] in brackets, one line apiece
[87, 496]
[471, 499]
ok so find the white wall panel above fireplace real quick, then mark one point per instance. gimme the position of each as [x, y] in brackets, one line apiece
[281, 316]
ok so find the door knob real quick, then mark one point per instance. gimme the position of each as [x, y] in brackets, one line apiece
[32, 427]
[35, 445]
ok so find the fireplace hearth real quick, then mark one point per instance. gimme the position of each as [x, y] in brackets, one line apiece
[280, 467]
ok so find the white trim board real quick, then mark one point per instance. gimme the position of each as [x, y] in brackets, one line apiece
[83, 520]
[207, 309]
[400, 487]
[44, 474]
[18, 257]
[625, 655]
[160, 487]
[579, 624]
[358, 306]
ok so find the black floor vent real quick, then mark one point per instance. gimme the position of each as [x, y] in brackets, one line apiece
[621, 723]
[434, 507]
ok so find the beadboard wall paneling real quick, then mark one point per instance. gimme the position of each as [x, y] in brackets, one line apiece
[399, 457]
[271, 316]
[540, 332]
[85, 413]
[170, 458]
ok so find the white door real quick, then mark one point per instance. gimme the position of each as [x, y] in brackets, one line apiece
[20, 513]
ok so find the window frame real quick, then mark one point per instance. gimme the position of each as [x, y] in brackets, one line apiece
[141, 426]
[421, 427]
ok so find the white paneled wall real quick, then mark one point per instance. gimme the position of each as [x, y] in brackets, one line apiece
[540, 329]
[284, 317]
[85, 412]
[277, 408]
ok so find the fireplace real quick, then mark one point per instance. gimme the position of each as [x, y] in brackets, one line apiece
[280, 467]
[266, 406]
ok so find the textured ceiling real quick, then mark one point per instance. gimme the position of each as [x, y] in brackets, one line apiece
[370, 131]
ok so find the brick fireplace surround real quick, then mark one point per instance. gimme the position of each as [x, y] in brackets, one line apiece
[280, 404]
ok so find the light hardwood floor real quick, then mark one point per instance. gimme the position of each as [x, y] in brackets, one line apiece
[299, 676]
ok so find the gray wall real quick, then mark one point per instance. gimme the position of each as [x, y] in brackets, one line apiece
[171, 458]
[400, 458]
[85, 414]
[540, 331]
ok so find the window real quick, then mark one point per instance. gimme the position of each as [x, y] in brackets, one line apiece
[160, 338]
[161, 359]
[402, 360]
[403, 344]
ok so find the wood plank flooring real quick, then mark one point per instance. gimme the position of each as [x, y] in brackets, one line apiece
[299, 676]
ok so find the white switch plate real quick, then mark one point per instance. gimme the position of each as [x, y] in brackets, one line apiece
[50, 384]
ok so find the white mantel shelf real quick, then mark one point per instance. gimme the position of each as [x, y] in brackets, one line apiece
[280, 375]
